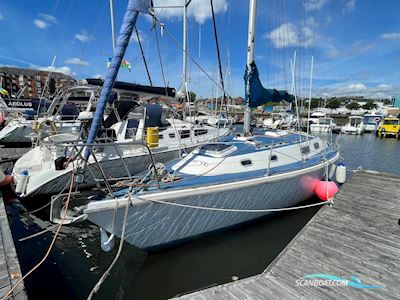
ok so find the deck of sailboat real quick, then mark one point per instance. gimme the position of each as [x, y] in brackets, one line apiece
[257, 143]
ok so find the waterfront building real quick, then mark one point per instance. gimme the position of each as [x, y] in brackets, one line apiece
[30, 83]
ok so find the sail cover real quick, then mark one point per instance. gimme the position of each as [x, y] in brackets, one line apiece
[131, 14]
[136, 88]
[257, 94]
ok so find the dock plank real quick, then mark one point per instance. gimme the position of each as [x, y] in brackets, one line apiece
[10, 271]
[357, 236]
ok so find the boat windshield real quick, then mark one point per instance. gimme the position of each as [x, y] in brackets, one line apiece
[325, 121]
[391, 122]
[355, 121]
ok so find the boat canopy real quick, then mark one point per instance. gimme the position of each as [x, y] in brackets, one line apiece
[136, 88]
[121, 110]
[259, 95]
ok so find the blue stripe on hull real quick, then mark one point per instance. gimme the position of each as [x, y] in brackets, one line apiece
[153, 225]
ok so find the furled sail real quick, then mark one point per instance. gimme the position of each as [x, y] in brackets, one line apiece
[132, 11]
[256, 94]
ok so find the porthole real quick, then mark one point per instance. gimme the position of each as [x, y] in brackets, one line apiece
[246, 162]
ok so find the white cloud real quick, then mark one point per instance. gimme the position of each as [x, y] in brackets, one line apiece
[83, 36]
[355, 87]
[359, 89]
[357, 48]
[142, 37]
[98, 76]
[393, 36]
[65, 70]
[1, 16]
[287, 35]
[311, 5]
[44, 21]
[40, 24]
[48, 18]
[350, 5]
[332, 53]
[198, 9]
[76, 61]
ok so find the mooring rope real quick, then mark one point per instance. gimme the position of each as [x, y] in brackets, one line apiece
[21, 280]
[121, 244]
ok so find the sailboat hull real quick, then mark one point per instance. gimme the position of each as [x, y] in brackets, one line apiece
[153, 225]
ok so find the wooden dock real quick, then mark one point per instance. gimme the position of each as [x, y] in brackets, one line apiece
[11, 154]
[358, 236]
[10, 271]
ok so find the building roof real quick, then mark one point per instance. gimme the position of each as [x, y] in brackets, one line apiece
[33, 72]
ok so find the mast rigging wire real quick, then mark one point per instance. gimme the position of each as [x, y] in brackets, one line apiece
[191, 57]
[218, 52]
[144, 58]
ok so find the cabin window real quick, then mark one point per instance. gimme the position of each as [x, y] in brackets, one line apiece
[246, 162]
[274, 157]
[184, 134]
[316, 146]
[214, 147]
[305, 150]
[160, 136]
[172, 135]
[198, 132]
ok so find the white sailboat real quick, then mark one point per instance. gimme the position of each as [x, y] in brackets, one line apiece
[49, 165]
[218, 185]
[59, 118]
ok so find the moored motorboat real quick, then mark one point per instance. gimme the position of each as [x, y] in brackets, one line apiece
[325, 125]
[354, 126]
[372, 122]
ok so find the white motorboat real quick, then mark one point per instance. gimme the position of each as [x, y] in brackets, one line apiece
[211, 119]
[280, 120]
[372, 122]
[354, 126]
[220, 120]
[324, 125]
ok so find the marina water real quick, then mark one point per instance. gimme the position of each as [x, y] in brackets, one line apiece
[76, 262]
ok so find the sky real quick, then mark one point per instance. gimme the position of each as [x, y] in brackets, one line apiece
[355, 44]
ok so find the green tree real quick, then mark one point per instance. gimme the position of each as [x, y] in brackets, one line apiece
[369, 105]
[333, 103]
[353, 105]
[192, 96]
[314, 103]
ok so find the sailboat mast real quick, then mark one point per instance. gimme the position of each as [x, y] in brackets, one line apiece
[112, 24]
[250, 60]
[184, 58]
